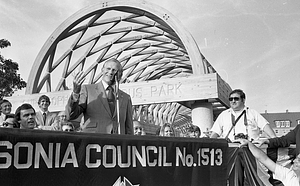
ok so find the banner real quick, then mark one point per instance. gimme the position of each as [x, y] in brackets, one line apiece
[242, 168]
[36, 157]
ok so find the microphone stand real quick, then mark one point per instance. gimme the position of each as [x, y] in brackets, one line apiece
[118, 103]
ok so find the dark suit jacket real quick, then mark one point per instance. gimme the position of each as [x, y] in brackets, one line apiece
[293, 137]
[96, 112]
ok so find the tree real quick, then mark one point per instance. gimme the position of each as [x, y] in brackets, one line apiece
[10, 80]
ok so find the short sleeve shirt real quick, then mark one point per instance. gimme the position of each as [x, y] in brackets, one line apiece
[255, 123]
[287, 176]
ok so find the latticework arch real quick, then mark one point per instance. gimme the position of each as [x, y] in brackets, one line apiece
[149, 42]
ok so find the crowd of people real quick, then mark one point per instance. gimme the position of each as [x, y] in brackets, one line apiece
[97, 104]
[106, 109]
[26, 117]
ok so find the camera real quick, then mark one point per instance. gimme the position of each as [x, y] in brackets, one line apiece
[241, 136]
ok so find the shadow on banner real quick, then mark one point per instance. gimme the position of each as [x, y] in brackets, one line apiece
[245, 170]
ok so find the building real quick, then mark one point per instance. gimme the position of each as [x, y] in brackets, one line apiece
[284, 122]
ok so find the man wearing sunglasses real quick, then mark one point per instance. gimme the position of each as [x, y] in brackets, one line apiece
[239, 119]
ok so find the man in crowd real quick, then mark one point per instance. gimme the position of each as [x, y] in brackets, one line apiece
[44, 118]
[97, 102]
[137, 128]
[25, 115]
[5, 109]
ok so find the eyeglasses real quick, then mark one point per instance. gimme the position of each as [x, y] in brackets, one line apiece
[234, 98]
[138, 128]
[6, 124]
[68, 130]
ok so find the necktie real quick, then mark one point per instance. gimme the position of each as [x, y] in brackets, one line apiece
[44, 118]
[111, 99]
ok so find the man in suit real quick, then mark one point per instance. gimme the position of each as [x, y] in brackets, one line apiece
[44, 118]
[98, 104]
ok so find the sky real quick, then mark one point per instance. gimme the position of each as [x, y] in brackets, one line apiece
[254, 45]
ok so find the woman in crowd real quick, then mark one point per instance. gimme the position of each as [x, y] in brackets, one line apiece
[60, 118]
[167, 130]
[5, 109]
[194, 131]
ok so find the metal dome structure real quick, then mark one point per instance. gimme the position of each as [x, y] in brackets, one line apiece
[148, 40]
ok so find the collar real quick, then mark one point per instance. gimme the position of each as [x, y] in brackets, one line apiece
[105, 85]
[3, 116]
[230, 110]
[45, 112]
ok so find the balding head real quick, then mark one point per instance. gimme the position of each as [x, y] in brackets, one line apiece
[110, 69]
[137, 128]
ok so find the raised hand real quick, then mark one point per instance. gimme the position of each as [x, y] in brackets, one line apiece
[77, 82]
[242, 141]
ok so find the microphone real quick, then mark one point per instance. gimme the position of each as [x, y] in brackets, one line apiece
[117, 77]
[117, 80]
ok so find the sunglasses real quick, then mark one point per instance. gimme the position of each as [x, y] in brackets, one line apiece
[234, 98]
[6, 124]
[68, 130]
